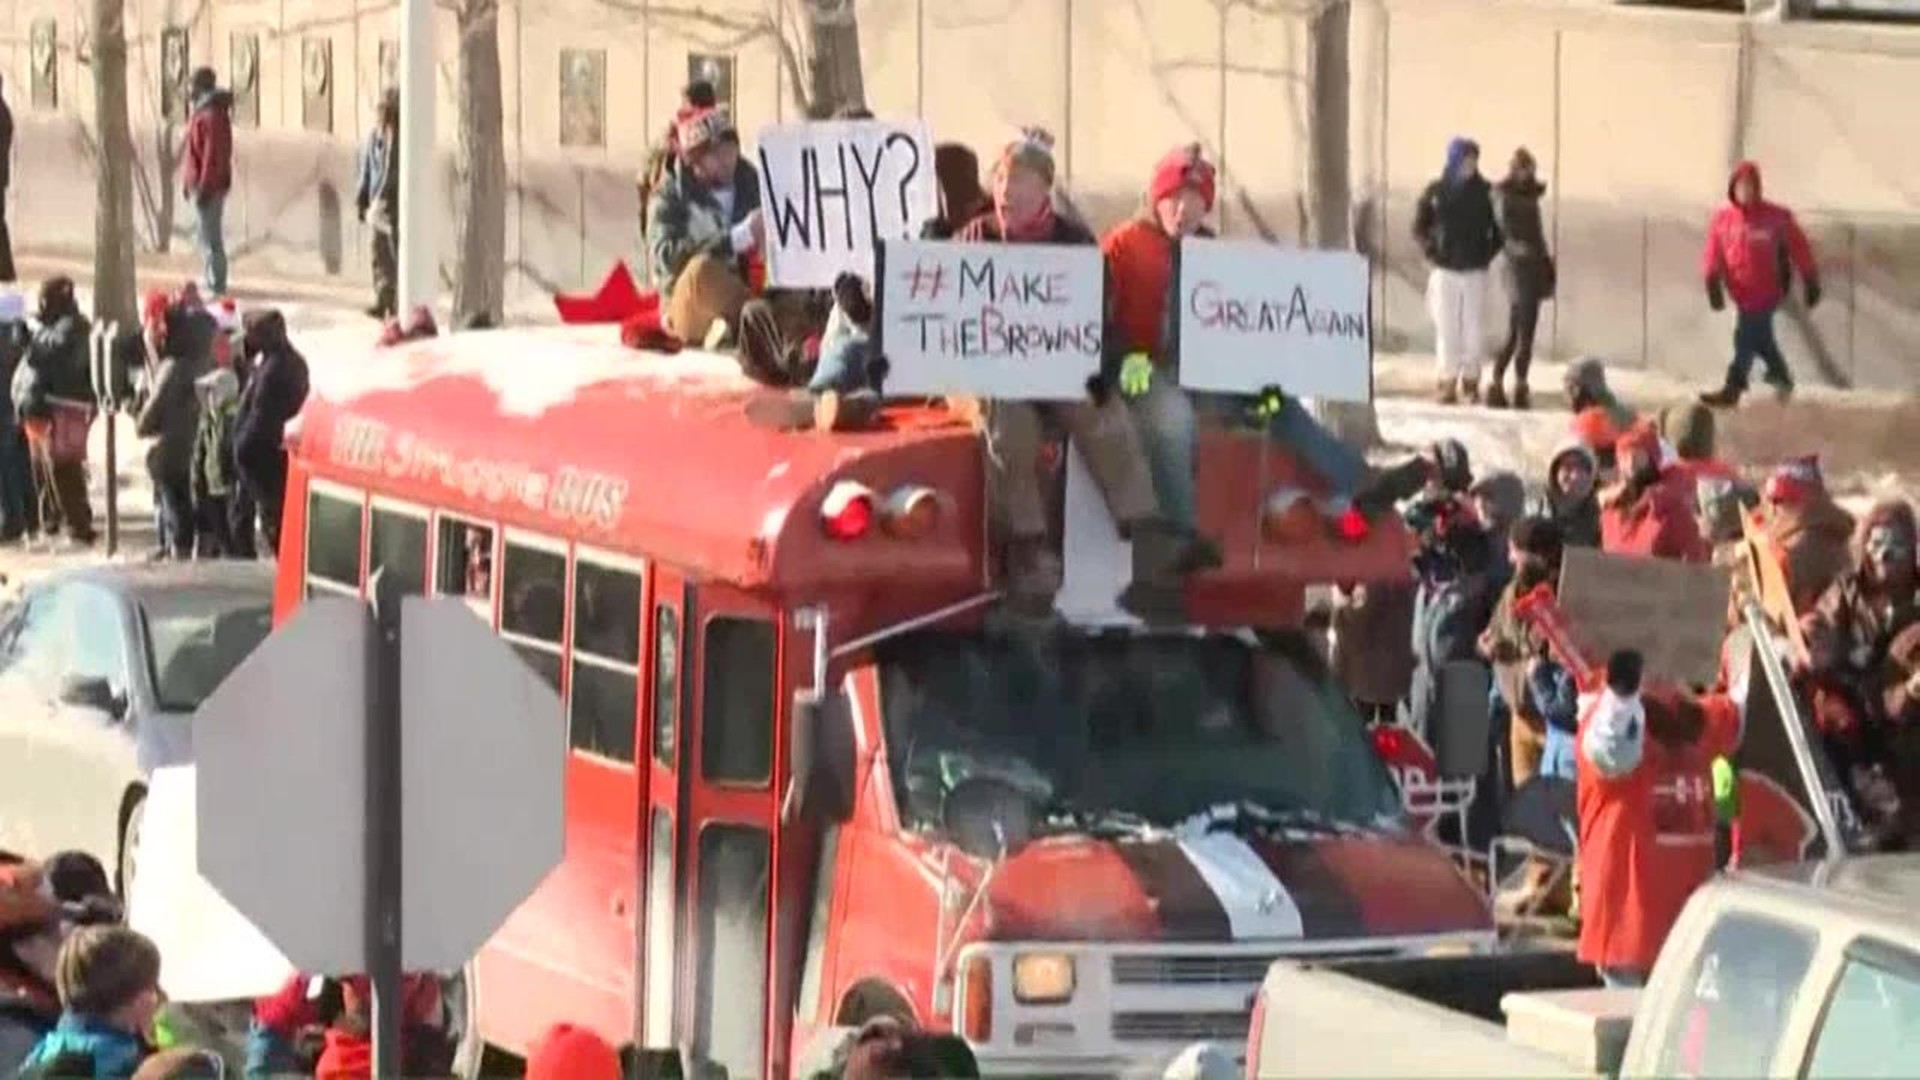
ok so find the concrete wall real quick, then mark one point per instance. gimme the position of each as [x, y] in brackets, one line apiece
[1635, 116]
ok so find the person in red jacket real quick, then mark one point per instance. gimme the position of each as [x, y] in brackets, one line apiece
[206, 172]
[1754, 248]
[1646, 813]
[1650, 512]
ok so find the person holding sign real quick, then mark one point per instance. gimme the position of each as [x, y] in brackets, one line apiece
[1141, 340]
[1023, 213]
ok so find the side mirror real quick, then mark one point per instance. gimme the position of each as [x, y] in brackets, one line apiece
[821, 755]
[88, 692]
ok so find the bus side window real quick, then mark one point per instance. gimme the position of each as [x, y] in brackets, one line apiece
[736, 725]
[397, 544]
[333, 543]
[464, 566]
[533, 603]
[666, 682]
[606, 660]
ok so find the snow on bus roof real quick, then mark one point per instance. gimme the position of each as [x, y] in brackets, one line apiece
[530, 371]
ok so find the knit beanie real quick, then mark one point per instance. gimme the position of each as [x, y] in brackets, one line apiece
[1796, 482]
[1183, 167]
[703, 127]
[104, 968]
[1031, 150]
[567, 1052]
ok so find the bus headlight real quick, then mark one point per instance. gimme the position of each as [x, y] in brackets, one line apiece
[1042, 978]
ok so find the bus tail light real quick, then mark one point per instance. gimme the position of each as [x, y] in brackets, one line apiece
[911, 512]
[847, 512]
[1349, 524]
[976, 999]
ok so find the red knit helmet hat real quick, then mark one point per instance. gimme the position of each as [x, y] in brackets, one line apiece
[1796, 481]
[1183, 167]
[567, 1052]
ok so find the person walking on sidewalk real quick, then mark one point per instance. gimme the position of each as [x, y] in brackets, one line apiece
[206, 172]
[378, 201]
[1456, 228]
[1754, 248]
[55, 402]
[1529, 278]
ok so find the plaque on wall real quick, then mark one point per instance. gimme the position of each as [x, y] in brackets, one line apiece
[389, 65]
[45, 59]
[173, 74]
[717, 70]
[316, 84]
[244, 59]
[583, 97]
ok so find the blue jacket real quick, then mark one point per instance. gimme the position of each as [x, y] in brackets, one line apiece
[377, 162]
[115, 1053]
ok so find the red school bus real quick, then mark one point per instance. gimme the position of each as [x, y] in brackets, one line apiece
[809, 782]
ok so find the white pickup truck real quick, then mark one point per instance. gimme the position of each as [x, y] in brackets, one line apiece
[1809, 970]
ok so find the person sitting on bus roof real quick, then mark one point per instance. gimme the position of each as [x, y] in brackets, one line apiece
[1099, 425]
[1142, 334]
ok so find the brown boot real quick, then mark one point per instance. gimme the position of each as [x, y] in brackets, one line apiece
[1157, 593]
[1470, 390]
[1496, 394]
[1447, 390]
[1032, 576]
[1522, 398]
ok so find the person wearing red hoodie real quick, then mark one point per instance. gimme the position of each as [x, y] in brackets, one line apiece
[348, 1053]
[1650, 512]
[1754, 248]
[206, 171]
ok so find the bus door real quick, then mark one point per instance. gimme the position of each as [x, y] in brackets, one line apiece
[668, 706]
[730, 794]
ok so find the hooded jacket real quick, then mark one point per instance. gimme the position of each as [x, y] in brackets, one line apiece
[1754, 250]
[1854, 623]
[685, 218]
[1815, 541]
[171, 414]
[1577, 515]
[115, 1053]
[1530, 271]
[55, 366]
[1656, 519]
[206, 164]
[274, 393]
[1455, 222]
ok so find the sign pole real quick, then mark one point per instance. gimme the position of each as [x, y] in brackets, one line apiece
[383, 849]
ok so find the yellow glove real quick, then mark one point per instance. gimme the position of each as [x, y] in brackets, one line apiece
[1267, 405]
[1136, 374]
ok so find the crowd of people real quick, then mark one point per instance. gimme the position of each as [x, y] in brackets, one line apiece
[1648, 487]
[1754, 250]
[213, 409]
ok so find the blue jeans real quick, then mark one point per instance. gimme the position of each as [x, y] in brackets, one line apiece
[213, 241]
[173, 516]
[1168, 421]
[1560, 758]
[842, 366]
[16, 484]
[1753, 338]
[269, 1053]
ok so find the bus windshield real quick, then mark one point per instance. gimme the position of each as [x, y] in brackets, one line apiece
[1152, 729]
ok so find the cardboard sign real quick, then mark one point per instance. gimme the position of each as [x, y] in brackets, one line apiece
[830, 190]
[1769, 580]
[1255, 315]
[1012, 321]
[1673, 613]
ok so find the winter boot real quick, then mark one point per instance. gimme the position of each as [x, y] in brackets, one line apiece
[1470, 389]
[1727, 397]
[1157, 593]
[1447, 390]
[1522, 397]
[1032, 576]
[1496, 394]
[1782, 389]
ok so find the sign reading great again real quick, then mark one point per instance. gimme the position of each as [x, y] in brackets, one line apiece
[1256, 315]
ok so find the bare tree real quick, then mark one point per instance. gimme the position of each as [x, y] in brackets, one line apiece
[1329, 185]
[818, 42]
[113, 267]
[833, 39]
[480, 162]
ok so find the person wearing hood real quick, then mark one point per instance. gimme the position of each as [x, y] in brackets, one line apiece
[1754, 247]
[1142, 346]
[1457, 229]
[1649, 513]
[1499, 498]
[1599, 419]
[1810, 533]
[1690, 430]
[176, 337]
[206, 171]
[213, 477]
[19, 500]
[377, 201]
[1530, 277]
[273, 395]
[664, 159]
[1571, 500]
[961, 197]
[53, 395]
[1098, 425]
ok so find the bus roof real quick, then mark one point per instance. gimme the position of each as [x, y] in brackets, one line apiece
[566, 431]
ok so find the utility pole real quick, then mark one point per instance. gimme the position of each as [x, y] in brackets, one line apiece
[419, 198]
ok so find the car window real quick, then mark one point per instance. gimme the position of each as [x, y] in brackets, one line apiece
[1736, 999]
[1872, 1021]
[198, 636]
[98, 648]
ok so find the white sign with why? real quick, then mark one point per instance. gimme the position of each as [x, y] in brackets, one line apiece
[1255, 315]
[831, 189]
[1014, 321]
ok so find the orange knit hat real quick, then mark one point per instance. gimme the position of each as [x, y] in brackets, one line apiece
[567, 1052]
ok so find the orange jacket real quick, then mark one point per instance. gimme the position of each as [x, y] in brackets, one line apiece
[1140, 282]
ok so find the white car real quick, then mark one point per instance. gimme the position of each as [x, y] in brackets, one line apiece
[101, 670]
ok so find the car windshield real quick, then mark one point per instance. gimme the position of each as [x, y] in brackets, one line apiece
[1157, 729]
[198, 636]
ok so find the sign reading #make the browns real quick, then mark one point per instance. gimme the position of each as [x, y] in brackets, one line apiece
[992, 320]
[1255, 315]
